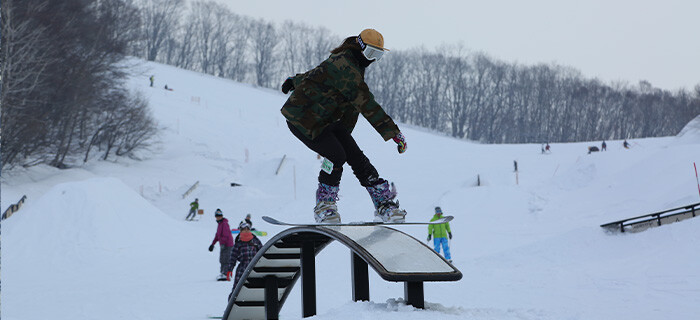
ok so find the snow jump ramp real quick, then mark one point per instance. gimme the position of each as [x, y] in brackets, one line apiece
[291, 255]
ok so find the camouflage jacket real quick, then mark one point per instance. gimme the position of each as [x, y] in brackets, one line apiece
[335, 91]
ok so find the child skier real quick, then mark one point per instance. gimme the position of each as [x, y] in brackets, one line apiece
[322, 112]
[440, 232]
[244, 250]
[225, 239]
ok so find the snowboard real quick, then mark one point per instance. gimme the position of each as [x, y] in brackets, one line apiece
[359, 223]
[255, 232]
[209, 316]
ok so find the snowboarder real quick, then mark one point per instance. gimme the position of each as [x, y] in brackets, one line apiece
[604, 146]
[152, 78]
[322, 113]
[626, 144]
[546, 148]
[225, 239]
[194, 206]
[592, 149]
[246, 247]
[440, 234]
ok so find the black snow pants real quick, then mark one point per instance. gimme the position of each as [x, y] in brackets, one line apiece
[337, 145]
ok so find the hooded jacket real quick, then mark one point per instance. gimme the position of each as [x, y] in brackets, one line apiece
[335, 91]
[223, 234]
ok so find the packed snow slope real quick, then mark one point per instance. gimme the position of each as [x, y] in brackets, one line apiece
[108, 239]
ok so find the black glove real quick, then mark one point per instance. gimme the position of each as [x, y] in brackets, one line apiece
[211, 248]
[450, 234]
[288, 85]
[430, 236]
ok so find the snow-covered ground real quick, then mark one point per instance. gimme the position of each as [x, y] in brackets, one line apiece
[108, 239]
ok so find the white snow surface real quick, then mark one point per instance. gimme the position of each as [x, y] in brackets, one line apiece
[107, 240]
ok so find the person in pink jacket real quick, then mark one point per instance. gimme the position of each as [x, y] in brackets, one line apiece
[225, 239]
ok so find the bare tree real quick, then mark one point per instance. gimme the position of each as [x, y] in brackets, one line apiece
[264, 40]
[24, 66]
[160, 20]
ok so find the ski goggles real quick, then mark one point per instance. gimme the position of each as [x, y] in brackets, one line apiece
[369, 51]
[372, 53]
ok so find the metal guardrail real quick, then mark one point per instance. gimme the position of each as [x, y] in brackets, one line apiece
[194, 186]
[13, 208]
[646, 221]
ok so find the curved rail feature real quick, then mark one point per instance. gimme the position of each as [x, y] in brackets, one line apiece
[291, 254]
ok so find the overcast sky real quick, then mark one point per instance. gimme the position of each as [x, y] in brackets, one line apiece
[628, 40]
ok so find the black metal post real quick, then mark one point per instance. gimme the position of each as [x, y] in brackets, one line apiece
[413, 294]
[272, 306]
[308, 279]
[360, 278]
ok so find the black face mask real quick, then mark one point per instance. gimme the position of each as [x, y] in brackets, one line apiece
[364, 63]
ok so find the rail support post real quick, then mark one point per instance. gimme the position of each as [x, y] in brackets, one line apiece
[308, 279]
[360, 278]
[272, 307]
[413, 294]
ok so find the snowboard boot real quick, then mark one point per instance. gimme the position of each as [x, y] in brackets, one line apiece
[387, 210]
[221, 277]
[229, 275]
[326, 210]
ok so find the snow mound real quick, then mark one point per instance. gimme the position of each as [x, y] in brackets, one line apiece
[691, 131]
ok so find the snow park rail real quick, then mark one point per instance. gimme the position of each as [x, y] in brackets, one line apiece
[291, 254]
[641, 223]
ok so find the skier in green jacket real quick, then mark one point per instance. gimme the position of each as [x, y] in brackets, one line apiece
[193, 210]
[440, 233]
[322, 112]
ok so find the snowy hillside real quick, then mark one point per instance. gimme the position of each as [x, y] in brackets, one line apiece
[108, 239]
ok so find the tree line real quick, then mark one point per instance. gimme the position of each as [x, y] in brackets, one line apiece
[474, 96]
[63, 95]
[464, 94]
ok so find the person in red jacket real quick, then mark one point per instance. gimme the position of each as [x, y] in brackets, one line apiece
[225, 239]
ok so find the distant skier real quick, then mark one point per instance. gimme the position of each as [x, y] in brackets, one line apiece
[194, 206]
[626, 144]
[322, 113]
[604, 146]
[546, 147]
[244, 250]
[592, 149]
[152, 78]
[225, 239]
[440, 234]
